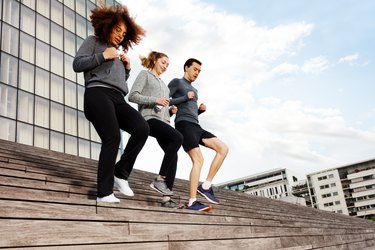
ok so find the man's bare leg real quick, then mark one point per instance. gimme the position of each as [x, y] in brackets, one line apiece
[197, 161]
[221, 152]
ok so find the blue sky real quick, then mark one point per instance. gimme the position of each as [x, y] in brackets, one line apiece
[340, 28]
[287, 84]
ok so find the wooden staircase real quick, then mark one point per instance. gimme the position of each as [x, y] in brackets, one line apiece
[47, 200]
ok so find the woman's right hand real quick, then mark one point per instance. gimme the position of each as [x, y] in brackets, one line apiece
[110, 53]
[162, 101]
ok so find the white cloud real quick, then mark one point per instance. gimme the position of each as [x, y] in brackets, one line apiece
[238, 54]
[316, 65]
[285, 69]
[349, 59]
[353, 60]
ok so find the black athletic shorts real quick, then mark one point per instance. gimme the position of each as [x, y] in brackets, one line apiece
[193, 134]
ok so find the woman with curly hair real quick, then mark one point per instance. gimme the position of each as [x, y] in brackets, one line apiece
[106, 67]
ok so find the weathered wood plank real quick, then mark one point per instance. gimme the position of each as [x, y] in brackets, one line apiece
[238, 244]
[127, 246]
[42, 232]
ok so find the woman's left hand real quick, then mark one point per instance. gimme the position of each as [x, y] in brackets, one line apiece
[173, 109]
[125, 60]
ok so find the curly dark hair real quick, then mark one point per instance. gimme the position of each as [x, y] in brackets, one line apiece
[103, 20]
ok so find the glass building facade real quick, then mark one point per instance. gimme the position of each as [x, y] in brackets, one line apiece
[41, 97]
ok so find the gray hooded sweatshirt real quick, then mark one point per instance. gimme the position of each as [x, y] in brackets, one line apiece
[146, 89]
[98, 71]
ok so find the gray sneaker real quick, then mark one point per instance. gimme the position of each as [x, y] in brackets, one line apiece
[161, 187]
[170, 204]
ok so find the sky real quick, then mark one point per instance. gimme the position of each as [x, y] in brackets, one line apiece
[287, 84]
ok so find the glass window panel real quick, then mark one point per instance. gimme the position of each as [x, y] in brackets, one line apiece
[7, 129]
[41, 138]
[42, 55]
[109, 2]
[25, 107]
[57, 117]
[90, 6]
[57, 88]
[83, 126]
[9, 39]
[69, 19]
[84, 148]
[69, 3]
[57, 65]
[28, 20]
[8, 98]
[95, 150]
[71, 144]
[81, 93]
[29, 3]
[8, 69]
[57, 39]
[81, 7]
[11, 10]
[42, 28]
[70, 94]
[26, 76]
[42, 6]
[24, 133]
[42, 112]
[80, 79]
[69, 72]
[70, 121]
[57, 12]
[70, 43]
[57, 141]
[27, 47]
[42, 82]
[81, 26]
[90, 29]
[94, 134]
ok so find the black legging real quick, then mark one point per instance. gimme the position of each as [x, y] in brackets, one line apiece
[107, 110]
[170, 141]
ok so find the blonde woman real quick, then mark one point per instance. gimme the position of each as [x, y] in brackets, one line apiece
[152, 96]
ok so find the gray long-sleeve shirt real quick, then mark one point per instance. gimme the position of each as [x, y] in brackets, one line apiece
[187, 108]
[146, 89]
[98, 71]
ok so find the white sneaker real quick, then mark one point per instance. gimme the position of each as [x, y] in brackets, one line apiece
[123, 186]
[109, 198]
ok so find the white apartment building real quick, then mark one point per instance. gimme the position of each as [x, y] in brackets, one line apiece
[326, 191]
[274, 184]
[349, 189]
[362, 184]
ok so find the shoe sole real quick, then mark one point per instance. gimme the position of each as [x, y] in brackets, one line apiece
[124, 193]
[108, 201]
[205, 209]
[157, 190]
[207, 198]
